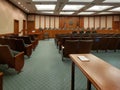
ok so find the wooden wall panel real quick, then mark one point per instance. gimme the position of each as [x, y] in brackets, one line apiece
[97, 22]
[85, 22]
[81, 21]
[73, 22]
[91, 22]
[30, 25]
[37, 22]
[109, 21]
[116, 18]
[52, 22]
[57, 22]
[42, 22]
[69, 22]
[47, 21]
[103, 22]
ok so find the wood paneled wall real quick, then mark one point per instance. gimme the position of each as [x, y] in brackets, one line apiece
[69, 22]
[64, 22]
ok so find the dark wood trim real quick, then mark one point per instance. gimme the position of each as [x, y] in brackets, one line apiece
[88, 22]
[39, 21]
[100, 21]
[54, 22]
[105, 21]
[49, 21]
[44, 21]
[94, 22]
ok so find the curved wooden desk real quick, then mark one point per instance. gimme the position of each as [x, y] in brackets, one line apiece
[98, 72]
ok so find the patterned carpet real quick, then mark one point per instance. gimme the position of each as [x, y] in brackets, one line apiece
[44, 70]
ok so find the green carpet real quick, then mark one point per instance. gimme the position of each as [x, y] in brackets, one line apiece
[44, 70]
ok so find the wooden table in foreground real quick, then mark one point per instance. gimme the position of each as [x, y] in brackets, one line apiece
[98, 72]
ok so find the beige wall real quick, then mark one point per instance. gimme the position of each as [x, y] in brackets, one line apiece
[8, 13]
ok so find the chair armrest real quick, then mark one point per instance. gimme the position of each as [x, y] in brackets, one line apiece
[19, 61]
[28, 50]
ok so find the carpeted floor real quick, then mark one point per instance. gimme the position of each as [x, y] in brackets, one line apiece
[44, 70]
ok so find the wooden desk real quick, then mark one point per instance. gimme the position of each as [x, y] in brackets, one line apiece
[98, 72]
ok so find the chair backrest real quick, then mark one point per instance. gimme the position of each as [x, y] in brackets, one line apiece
[70, 47]
[85, 46]
[26, 39]
[6, 56]
[11, 43]
[96, 41]
[112, 43]
[20, 45]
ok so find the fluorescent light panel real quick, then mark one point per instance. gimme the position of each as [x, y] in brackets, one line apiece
[85, 13]
[105, 13]
[115, 9]
[45, 7]
[111, 1]
[98, 8]
[66, 12]
[47, 12]
[73, 7]
[44, 0]
[81, 0]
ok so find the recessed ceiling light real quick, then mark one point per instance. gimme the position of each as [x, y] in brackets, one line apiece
[19, 3]
[73, 7]
[115, 9]
[98, 8]
[45, 7]
[66, 12]
[111, 1]
[85, 13]
[81, 0]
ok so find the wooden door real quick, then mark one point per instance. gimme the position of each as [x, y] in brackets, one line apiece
[24, 27]
[30, 26]
[16, 27]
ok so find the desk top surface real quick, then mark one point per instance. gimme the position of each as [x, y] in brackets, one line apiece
[102, 75]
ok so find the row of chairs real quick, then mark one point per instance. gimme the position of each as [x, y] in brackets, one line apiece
[12, 51]
[73, 45]
[15, 49]
[58, 36]
[17, 45]
[99, 43]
